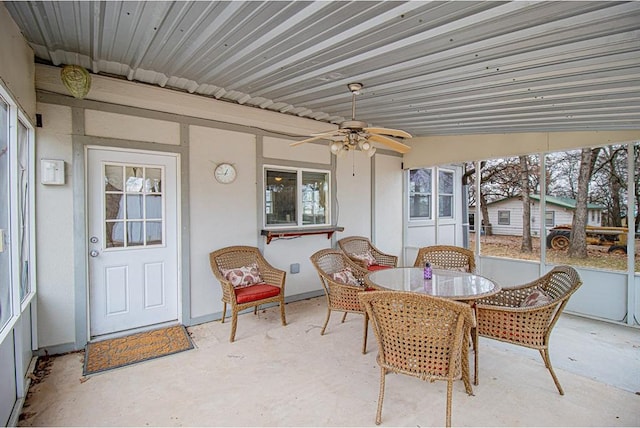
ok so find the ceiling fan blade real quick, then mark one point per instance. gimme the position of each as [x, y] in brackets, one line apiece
[333, 132]
[326, 136]
[389, 142]
[388, 131]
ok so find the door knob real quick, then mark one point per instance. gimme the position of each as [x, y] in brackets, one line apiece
[93, 253]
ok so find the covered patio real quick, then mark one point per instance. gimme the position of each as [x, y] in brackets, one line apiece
[292, 376]
[170, 95]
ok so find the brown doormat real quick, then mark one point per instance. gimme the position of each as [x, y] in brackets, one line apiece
[122, 351]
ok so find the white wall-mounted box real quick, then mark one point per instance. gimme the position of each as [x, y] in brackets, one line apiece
[52, 171]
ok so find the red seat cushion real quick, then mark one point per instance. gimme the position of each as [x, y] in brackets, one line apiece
[378, 267]
[256, 292]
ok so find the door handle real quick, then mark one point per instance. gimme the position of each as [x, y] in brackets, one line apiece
[94, 253]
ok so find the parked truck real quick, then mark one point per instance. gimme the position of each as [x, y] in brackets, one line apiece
[613, 237]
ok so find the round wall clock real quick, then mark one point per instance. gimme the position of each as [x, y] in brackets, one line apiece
[225, 173]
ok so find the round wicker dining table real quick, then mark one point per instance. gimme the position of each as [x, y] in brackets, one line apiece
[449, 284]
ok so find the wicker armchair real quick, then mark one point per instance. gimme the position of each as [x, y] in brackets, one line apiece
[503, 316]
[268, 287]
[340, 296]
[422, 336]
[355, 247]
[446, 257]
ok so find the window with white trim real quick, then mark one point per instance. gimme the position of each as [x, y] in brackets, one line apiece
[504, 217]
[550, 218]
[296, 197]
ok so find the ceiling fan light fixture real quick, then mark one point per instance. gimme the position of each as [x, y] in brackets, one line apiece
[371, 151]
[336, 147]
[364, 145]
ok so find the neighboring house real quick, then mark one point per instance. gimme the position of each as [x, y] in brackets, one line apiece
[505, 215]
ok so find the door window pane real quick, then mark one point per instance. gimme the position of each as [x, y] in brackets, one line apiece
[133, 202]
[445, 194]
[420, 194]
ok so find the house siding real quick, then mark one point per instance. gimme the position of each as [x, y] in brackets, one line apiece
[562, 215]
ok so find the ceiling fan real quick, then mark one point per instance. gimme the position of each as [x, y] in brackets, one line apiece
[353, 134]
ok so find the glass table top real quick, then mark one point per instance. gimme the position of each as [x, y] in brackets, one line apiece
[443, 283]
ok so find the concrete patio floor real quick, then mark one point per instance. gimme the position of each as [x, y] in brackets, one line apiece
[292, 376]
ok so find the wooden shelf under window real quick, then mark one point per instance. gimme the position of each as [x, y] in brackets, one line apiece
[290, 233]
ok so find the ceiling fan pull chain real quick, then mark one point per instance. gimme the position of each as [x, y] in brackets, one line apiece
[353, 162]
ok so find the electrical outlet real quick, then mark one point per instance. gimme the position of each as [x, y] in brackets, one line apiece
[294, 268]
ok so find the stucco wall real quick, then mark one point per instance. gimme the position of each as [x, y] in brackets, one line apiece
[439, 150]
[219, 215]
[54, 225]
[17, 66]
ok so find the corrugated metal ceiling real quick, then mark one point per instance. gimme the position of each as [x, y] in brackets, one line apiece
[428, 67]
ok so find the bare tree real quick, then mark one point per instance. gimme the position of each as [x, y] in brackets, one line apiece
[526, 246]
[578, 239]
[609, 183]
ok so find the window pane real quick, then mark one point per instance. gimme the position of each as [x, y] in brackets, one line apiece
[549, 218]
[135, 233]
[504, 217]
[280, 198]
[420, 193]
[134, 207]
[315, 197]
[6, 309]
[153, 176]
[113, 178]
[510, 227]
[154, 232]
[23, 209]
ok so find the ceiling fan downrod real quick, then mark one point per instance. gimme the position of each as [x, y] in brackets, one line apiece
[355, 90]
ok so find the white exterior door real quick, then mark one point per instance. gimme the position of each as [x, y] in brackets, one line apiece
[132, 217]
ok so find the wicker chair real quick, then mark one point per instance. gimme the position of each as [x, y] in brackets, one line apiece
[422, 336]
[446, 257]
[269, 289]
[502, 316]
[341, 297]
[357, 246]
